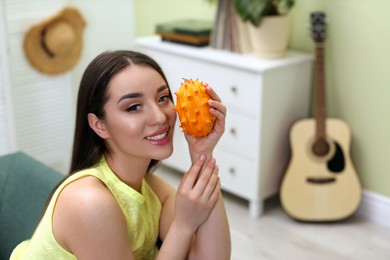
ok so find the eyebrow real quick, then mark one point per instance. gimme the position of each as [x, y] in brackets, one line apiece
[137, 94]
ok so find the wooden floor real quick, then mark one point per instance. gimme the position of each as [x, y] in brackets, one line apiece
[276, 236]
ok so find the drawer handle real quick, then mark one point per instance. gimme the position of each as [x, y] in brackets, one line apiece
[232, 171]
[233, 89]
[233, 131]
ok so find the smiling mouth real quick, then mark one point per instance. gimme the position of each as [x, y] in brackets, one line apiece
[157, 137]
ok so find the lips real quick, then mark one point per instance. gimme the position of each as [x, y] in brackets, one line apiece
[159, 138]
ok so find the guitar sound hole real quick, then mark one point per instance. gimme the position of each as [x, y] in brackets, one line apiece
[337, 163]
[321, 147]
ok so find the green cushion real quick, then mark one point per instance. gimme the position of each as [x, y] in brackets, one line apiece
[25, 186]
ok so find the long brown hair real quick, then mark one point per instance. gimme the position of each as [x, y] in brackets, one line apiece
[88, 147]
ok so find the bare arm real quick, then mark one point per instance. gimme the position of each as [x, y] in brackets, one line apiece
[88, 222]
[185, 211]
[212, 240]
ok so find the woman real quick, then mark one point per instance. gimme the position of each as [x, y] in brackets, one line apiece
[112, 206]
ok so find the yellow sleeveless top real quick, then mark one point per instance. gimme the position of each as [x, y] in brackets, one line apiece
[141, 210]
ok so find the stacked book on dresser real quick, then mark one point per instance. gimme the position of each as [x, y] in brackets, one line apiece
[190, 32]
[227, 32]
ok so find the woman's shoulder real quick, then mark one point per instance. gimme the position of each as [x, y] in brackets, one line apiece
[83, 207]
[86, 194]
[83, 186]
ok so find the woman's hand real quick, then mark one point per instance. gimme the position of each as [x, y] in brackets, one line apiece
[196, 198]
[197, 195]
[206, 145]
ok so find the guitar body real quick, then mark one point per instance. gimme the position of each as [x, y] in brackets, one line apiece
[320, 188]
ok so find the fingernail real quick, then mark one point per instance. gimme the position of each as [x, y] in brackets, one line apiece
[202, 157]
[213, 161]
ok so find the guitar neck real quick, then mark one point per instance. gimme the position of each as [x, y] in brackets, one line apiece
[320, 114]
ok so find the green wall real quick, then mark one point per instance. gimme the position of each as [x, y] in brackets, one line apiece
[357, 58]
[357, 81]
[150, 12]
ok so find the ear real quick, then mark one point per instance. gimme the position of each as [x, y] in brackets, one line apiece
[98, 126]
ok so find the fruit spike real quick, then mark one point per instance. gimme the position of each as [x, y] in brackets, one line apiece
[193, 109]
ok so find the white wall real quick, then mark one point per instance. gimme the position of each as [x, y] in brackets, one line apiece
[110, 25]
[7, 134]
[43, 106]
[40, 104]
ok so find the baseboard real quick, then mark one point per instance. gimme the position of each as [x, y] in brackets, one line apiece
[375, 207]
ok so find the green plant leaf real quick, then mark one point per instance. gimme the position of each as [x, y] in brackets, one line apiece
[253, 11]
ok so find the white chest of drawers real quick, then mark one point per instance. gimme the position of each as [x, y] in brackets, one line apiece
[263, 98]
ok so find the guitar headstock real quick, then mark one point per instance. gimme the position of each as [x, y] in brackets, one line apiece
[318, 26]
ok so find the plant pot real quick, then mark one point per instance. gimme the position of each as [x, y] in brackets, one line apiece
[244, 41]
[270, 39]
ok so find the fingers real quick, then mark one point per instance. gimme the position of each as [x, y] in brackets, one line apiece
[189, 179]
[217, 108]
[213, 94]
[211, 188]
[201, 183]
[215, 193]
[204, 178]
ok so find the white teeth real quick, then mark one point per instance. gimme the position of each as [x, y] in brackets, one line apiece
[157, 137]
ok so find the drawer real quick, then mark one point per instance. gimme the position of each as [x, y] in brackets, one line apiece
[241, 138]
[239, 90]
[238, 175]
[242, 135]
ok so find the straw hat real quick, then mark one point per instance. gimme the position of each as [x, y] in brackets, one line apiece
[54, 46]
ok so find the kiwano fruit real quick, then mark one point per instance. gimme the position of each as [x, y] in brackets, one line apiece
[193, 108]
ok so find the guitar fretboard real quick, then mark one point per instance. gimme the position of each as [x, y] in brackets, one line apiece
[320, 114]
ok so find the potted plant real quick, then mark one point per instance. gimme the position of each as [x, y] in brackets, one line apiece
[263, 26]
[254, 11]
[267, 23]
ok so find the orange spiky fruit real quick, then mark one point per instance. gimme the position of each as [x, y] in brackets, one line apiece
[193, 108]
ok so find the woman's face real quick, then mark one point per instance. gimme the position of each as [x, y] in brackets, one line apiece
[140, 117]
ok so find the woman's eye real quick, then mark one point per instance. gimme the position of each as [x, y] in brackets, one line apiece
[133, 108]
[163, 98]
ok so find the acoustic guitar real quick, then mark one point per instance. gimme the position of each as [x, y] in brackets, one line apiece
[320, 183]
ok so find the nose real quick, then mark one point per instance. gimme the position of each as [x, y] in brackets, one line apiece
[157, 115]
